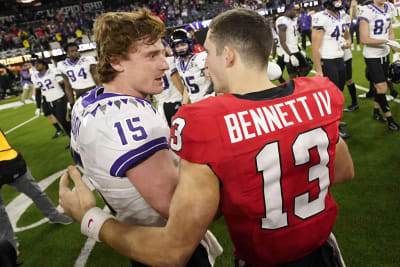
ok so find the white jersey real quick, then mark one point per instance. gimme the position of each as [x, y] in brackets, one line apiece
[279, 50]
[170, 92]
[347, 52]
[334, 27]
[110, 134]
[292, 38]
[78, 72]
[49, 84]
[379, 22]
[191, 72]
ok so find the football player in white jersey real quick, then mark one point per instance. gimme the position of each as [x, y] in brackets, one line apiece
[170, 99]
[190, 66]
[330, 36]
[277, 52]
[377, 35]
[49, 81]
[348, 61]
[286, 26]
[118, 137]
[80, 70]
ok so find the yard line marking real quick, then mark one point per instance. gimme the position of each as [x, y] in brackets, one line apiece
[87, 248]
[22, 124]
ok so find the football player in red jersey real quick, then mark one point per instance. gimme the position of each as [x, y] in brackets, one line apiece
[267, 167]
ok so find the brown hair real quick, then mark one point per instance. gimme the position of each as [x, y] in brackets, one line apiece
[118, 34]
[247, 31]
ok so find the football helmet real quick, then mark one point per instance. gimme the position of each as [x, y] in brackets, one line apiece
[328, 4]
[394, 72]
[181, 36]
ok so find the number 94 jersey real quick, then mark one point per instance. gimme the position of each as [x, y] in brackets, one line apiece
[379, 22]
[273, 153]
[111, 133]
[78, 72]
[191, 72]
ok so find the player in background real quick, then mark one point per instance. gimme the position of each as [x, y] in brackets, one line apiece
[377, 35]
[277, 52]
[190, 66]
[49, 81]
[330, 36]
[355, 24]
[26, 82]
[348, 61]
[80, 70]
[263, 156]
[171, 98]
[286, 26]
[118, 137]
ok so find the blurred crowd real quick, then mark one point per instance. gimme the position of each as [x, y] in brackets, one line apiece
[35, 31]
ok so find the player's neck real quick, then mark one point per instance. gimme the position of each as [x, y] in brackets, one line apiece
[249, 81]
[74, 60]
[380, 6]
[119, 86]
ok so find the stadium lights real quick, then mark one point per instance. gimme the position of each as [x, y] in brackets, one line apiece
[25, 1]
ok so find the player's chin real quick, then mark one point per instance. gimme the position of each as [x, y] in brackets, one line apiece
[157, 86]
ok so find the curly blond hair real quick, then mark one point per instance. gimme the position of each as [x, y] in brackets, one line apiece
[118, 34]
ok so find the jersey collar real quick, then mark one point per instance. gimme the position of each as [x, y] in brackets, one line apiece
[73, 63]
[380, 10]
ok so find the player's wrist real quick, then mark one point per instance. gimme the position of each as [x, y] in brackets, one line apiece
[92, 222]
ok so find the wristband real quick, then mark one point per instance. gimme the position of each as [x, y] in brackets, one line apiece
[92, 222]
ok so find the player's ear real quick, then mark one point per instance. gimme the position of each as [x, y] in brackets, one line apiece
[229, 56]
[115, 62]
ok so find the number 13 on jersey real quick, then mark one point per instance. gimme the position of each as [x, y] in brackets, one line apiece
[268, 161]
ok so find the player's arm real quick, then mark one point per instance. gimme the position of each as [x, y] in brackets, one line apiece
[93, 72]
[392, 37]
[156, 179]
[193, 208]
[347, 37]
[68, 89]
[364, 34]
[343, 164]
[282, 39]
[317, 36]
[273, 52]
[177, 81]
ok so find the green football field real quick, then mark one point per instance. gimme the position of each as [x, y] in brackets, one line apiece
[369, 206]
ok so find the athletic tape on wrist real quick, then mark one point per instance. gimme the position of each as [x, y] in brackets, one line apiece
[92, 222]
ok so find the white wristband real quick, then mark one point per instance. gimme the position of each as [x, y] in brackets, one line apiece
[92, 222]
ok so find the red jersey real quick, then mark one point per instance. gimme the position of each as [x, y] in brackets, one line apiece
[273, 152]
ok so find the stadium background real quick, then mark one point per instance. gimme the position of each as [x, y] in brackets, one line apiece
[366, 228]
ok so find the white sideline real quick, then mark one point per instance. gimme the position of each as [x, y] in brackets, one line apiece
[87, 249]
[20, 125]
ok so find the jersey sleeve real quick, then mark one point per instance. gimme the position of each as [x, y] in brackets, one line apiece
[124, 140]
[201, 60]
[172, 66]
[60, 67]
[91, 60]
[56, 73]
[364, 13]
[193, 137]
[281, 22]
[318, 21]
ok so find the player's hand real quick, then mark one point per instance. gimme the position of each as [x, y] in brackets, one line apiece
[396, 57]
[319, 73]
[37, 112]
[294, 61]
[75, 203]
[393, 43]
